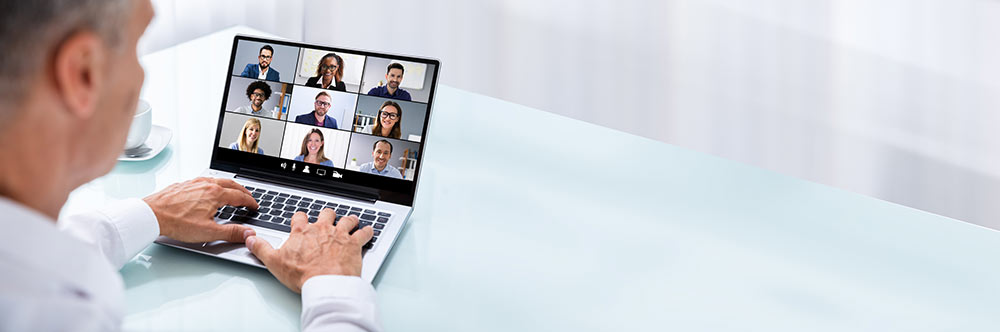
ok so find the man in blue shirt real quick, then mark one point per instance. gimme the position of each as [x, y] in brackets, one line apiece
[393, 76]
[262, 70]
[382, 154]
[318, 116]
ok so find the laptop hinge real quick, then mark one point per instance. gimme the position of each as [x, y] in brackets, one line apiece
[347, 190]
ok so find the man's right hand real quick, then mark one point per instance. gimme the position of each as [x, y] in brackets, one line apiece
[314, 249]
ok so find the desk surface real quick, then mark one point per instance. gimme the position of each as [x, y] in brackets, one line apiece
[527, 221]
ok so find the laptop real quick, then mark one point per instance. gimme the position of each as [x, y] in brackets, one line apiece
[307, 127]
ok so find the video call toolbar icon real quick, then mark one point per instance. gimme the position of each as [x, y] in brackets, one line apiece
[305, 169]
[321, 172]
[284, 165]
[337, 175]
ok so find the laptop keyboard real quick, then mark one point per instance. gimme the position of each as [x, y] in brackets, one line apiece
[276, 210]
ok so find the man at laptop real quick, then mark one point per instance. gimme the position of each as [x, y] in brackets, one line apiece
[71, 91]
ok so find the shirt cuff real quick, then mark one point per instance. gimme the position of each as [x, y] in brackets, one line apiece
[136, 224]
[320, 287]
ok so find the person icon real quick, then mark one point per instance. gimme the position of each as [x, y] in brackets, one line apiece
[305, 169]
[391, 89]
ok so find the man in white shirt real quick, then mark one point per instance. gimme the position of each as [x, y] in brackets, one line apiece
[66, 99]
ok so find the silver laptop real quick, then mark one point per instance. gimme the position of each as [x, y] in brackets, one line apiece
[308, 127]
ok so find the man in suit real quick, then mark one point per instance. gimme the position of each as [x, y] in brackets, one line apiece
[318, 116]
[262, 70]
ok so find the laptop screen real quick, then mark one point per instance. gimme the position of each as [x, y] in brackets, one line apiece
[329, 117]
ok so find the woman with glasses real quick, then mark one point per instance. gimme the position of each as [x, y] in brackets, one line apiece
[312, 149]
[329, 73]
[247, 142]
[387, 121]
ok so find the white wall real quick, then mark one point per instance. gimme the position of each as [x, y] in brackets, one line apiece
[890, 98]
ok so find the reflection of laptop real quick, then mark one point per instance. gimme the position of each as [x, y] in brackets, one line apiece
[281, 152]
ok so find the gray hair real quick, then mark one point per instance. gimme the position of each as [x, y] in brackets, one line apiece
[30, 30]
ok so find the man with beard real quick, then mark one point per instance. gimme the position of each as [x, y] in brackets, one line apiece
[258, 92]
[393, 76]
[262, 70]
[318, 116]
[382, 153]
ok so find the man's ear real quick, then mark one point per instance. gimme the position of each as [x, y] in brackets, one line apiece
[78, 70]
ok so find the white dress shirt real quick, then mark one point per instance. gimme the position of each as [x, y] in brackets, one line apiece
[65, 277]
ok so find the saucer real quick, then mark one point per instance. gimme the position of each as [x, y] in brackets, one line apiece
[157, 141]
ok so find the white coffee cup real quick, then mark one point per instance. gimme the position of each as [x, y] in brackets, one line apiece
[141, 125]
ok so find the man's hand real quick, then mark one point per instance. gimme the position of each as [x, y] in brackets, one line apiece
[185, 210]
[314, 249]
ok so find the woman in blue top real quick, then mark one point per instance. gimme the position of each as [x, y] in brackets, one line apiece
[312, 149]
[248, 137]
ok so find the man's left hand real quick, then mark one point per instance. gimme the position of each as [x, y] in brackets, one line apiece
[186, 210]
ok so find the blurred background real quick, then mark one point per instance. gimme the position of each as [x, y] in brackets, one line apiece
[893, 99]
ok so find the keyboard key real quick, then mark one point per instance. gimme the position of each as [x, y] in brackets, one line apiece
[228, 209]
[341, 213]
[306, 199]
[331, 206]
[313, 213]
[272, 192]
[241, 212]
[368, 217]
[379, 226]
[241, 218]
[267, 197]
[292, 202]
[384, 214]
[258, 190]
[284, 195]
[370, 211]
[294, 197]
[304, 204]
[249, 188]
[277, 219]
[266, 224]
[225, 216]
[312, 220]
[356, 209]
[377, 232]
[345, 207]
[265, 204]
[382, 220]
[287, 215]
[320, 202]
[316, 206]
[289, 208]
[279, 199]
[256, 195]
[217, 214]
[276, 212]
[287, 221]
[278, 206]
[263, 210]
[265, 217]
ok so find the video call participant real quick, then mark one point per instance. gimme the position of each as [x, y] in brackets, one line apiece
[393, 76]
[248, 137]
[381, 153]
[312, 149]
[262, 70]
[329, 73]
[387, 123]
[318, 116]
[258, 92]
